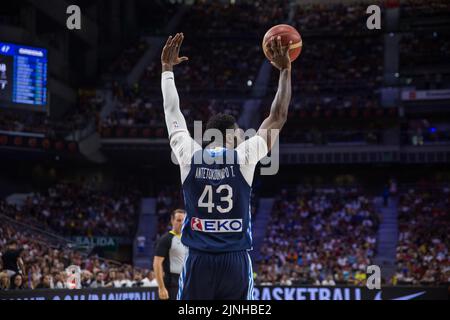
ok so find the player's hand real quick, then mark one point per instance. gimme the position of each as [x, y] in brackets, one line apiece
[170, 53]
[163, 294]
[280, 56]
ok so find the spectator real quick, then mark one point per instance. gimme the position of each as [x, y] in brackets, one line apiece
[99, 281]
[329, 281]
[4, 281]
[86, 279]
[121, 281]
[150, 280]
[18, 283]
[60, 280]
[46, 282]
[12, 261]
[137, 280]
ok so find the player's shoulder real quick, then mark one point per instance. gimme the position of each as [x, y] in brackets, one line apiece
[252, 150]
[254, 141]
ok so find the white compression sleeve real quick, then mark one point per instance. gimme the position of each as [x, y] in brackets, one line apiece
[174, 118]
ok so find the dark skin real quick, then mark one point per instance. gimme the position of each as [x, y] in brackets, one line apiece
[271, 126]
[171, 51]
[281, 60]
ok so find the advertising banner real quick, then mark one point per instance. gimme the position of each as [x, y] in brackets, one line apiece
[411, 95]
[261, 293]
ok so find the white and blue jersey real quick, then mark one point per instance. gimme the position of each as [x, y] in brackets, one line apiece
[217, 191]
[217, 228]
[217, 202]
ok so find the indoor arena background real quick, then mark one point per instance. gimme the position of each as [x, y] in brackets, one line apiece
[86, 176]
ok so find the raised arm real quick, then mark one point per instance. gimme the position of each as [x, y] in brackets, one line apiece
[272, 125]
[170, 57]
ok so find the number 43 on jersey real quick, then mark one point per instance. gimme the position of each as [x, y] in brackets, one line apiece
[206, 199]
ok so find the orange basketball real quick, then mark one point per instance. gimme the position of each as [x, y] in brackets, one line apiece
[287, 33]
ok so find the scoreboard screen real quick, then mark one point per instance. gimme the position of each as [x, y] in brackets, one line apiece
[23, 77]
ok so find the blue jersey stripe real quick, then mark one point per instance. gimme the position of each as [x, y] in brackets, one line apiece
[250, 280]
[182, 276]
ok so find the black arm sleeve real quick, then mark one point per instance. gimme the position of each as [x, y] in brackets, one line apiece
[163, 246]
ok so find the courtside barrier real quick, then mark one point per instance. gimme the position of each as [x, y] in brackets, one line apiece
[261, 293]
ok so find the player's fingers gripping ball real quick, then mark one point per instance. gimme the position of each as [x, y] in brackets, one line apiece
[287, 34]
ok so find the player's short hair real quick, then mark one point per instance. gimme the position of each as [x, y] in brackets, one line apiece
[221, 122]
[174, 212]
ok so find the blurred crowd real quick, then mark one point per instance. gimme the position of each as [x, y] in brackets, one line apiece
[128, 58]
[331, 65]
[136, 108]
[252, 18]
[320, 237]
[20, 121]
[424, 49]
[424, 61]
[31, 261]
[332, 17]
[316, 137]
[324, 236]
[74, 209]
[423, 246]
[66, 126]
[224, 62]
[167, 200]
[341, 66]
[422, 131]
[413, 9]
[223, 65]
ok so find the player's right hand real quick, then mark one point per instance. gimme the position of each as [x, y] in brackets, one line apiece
[170, 54]
[163, 294]
[280, 56]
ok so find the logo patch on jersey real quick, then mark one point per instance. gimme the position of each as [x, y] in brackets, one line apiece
[216, 225]
[216, 152]
[196, 224]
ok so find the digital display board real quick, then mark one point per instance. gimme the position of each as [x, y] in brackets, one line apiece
[23, 76]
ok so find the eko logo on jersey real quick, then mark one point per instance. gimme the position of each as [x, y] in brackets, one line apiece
[216, 225]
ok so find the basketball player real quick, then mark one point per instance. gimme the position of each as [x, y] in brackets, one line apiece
[216, 185]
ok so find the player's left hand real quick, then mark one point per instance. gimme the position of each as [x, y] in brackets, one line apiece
[170, 54]
[280, 55]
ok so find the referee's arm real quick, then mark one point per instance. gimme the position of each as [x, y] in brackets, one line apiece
[162, 251]
[159, 274]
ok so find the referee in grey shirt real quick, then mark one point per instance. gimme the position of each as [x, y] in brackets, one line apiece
[169, 258]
